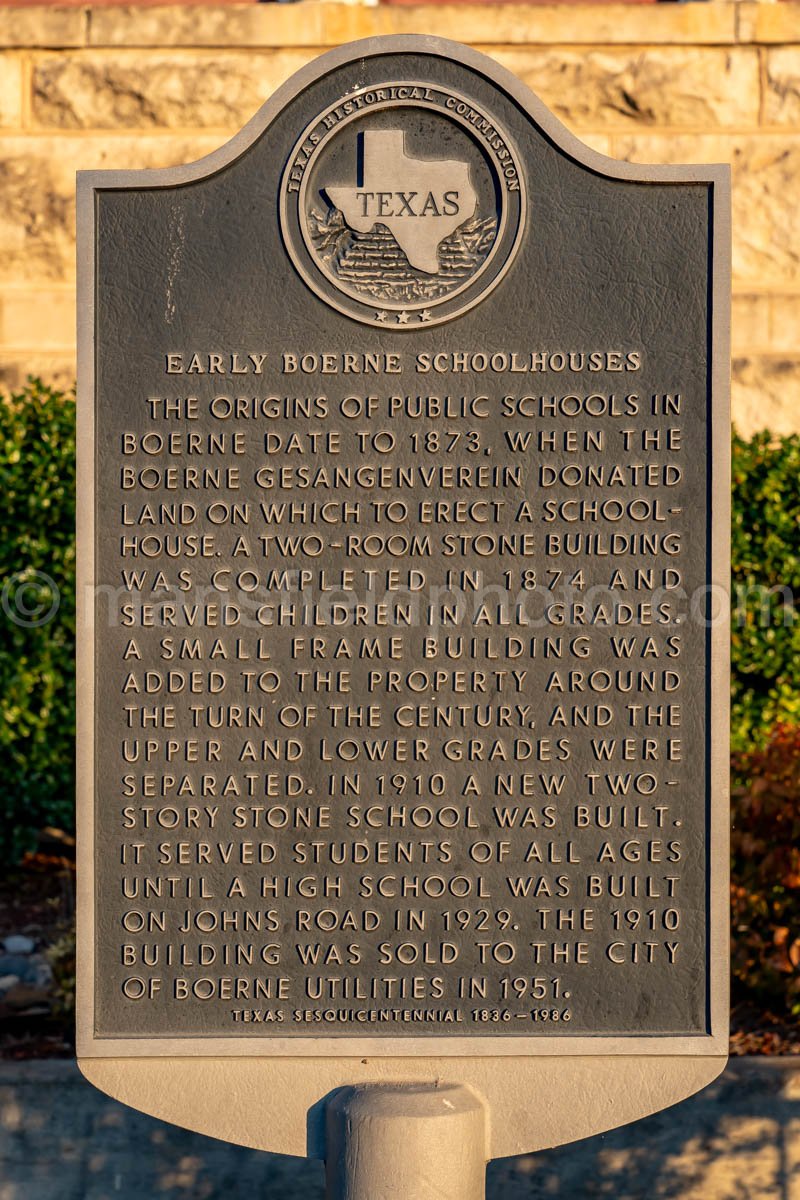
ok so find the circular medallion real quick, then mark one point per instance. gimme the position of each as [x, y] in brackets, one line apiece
[403, 205]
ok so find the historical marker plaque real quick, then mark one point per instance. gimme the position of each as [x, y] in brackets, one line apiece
[404, 435]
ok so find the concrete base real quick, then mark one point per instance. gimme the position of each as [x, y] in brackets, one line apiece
[534, 1102]
[406, 1143]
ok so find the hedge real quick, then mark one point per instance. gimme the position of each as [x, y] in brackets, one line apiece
[37, 622]
[765, 679]
[37, 565]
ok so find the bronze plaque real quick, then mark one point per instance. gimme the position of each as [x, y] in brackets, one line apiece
[404, 705]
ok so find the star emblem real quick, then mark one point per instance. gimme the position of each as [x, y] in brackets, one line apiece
[402, 318]
[380, 316]
[425, 315]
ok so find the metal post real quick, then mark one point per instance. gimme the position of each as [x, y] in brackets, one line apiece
[406, 1142]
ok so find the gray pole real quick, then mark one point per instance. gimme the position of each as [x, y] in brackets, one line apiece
[406, 1142]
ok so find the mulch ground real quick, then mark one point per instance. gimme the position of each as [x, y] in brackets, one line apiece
[755, 1032]
[38, 901]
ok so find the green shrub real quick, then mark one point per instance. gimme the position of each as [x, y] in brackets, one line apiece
[37, 621]
[765, 684]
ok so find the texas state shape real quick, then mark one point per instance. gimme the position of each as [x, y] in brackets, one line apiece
[421, 201]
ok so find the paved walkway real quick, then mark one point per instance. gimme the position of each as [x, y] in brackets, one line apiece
[60, 1139]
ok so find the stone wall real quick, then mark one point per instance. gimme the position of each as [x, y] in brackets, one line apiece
[674, 83]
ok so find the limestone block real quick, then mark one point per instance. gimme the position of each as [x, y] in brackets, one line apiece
[10, 91]
[785, 323]
[750, 323]
[329, 24]
[209, 25]
[766, 174]
[43, 25]
[766, 394]
[533, 24]
[58, 370]
[37, 193]
[37, 212]
[609, 88]
[41, 317]
[768, 23]
[595, 88]
[135, 90]
[766, 221]
[782, 86]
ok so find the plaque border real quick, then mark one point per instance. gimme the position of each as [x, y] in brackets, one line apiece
[712, 1045]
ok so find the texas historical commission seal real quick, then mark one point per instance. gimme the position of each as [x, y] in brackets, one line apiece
[403, 205]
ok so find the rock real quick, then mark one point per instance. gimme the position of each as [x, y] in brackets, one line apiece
[19, 944]
[41, 972]
[15, 964]
[25, 998]
[33, 969]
